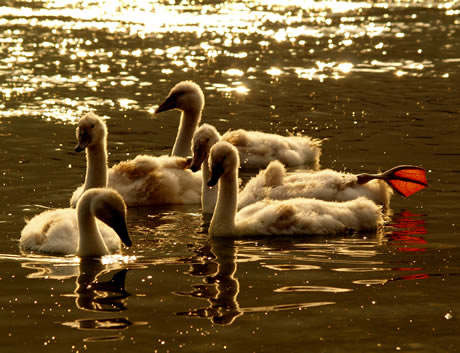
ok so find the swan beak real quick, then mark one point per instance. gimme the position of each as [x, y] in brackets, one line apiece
[216, 173]
[119, 226]
[199, 155]
[168, 104]
[83, 141]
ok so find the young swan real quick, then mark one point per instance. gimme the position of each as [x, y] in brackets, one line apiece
[92, 136]
[187, 97]
[297, 216]
[144, 180]
[274, 183]
[256, 148]
[93, 229]
[329, 185]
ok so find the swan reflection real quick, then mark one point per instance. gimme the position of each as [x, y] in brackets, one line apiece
[90, 292]
[94, 295]
[221, 287]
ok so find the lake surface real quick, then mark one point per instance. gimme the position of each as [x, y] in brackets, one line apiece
[379, 80]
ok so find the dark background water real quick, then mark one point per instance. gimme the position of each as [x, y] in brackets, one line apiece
[379, 80]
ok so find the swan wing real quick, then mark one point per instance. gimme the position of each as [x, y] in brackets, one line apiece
[52, 231]
[308, 216]
[148, 180]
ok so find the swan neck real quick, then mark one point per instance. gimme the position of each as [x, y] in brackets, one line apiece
[91, 242]
[189, 121]
[223, 219]
[96, 169]
[208, 195]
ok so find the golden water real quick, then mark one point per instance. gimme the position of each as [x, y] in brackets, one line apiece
[378, 79]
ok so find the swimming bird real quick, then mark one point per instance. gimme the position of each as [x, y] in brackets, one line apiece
[298, 216]
[93, 229]
[330, 185]
[256, 148]
[144, 180]
[92, 136]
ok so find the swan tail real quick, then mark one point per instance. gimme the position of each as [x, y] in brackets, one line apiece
[404, 179]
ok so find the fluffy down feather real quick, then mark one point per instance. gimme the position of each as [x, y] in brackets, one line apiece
[148, 180]
[329, 185]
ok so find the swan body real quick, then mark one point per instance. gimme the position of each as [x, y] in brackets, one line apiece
[93, 229]
[256, 148]
[147, 180]
[329, 185]
[92, 136]
[297, 216]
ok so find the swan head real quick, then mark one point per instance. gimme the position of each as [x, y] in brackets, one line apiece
[108, 206]
[185, 96]
[223, 158]
[91, 130]
[203, 139]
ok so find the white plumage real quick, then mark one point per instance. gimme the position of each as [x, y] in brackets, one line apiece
[148, 180]
[256, 148]
[77, 231]
[297, 216]
[329, 185]
[144, 180]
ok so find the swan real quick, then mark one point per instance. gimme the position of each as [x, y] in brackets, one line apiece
[92, 136]
[187, 97]
[329, 185]
[93, 229]
[256, 148]
[144, 180]
[298, 216]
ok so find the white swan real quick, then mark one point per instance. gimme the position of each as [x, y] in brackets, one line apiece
[256, 148]
[77, 231]
[187, 97]
[297, 216]
[92, 136]
[329, 185]
[144, 180]
[148, 180]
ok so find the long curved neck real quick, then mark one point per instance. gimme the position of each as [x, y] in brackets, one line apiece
[208, 195]
[223, 219]
[189, 121]
[91, 242]
[96, 168]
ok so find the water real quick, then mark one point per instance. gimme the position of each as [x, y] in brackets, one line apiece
[379, 80]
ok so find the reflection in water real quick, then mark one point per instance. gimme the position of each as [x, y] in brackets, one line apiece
[221, 288]
[408, 230]
[93, 295]
[406, 236]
